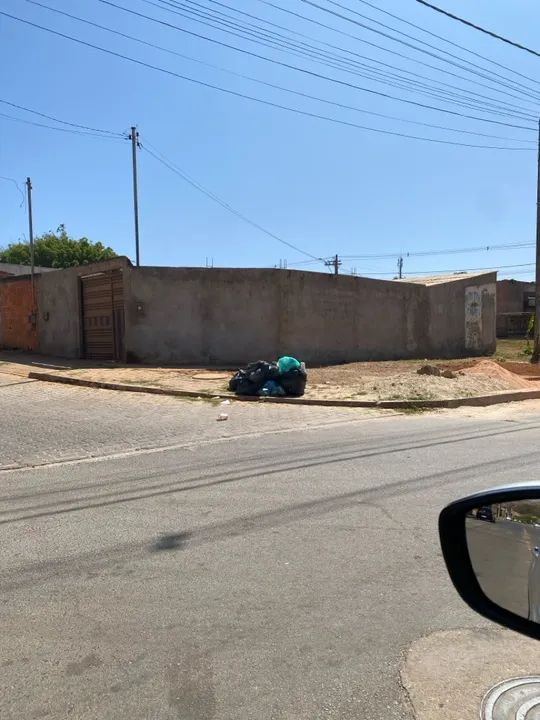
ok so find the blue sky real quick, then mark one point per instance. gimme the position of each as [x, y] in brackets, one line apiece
[324, 187]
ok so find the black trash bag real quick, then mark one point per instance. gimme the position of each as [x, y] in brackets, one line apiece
[241, 384]
[294, 382]
[249, 380]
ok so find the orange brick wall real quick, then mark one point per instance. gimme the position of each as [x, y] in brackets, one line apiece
[16, 330]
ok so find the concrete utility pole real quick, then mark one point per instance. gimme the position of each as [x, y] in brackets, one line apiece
[31, 238]
[335, 263]
[535, 357]
[400, 267]
[134, 137]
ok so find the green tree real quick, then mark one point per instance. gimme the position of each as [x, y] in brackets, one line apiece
[57, 250]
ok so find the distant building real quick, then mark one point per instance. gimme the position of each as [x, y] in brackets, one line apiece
[515, 305]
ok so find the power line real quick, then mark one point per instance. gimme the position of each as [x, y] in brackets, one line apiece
[223, 24]
[63, 122]
[278, 87]
[375, 45]
[60, 129]
[262, 101]
[474, 269]
[373, 70]
[263, 57]
[450, 42]
[479, 27]
[167, 163]
[411, 37]
[364, 57]
[402, 42]
[449, 251]
[383, 77]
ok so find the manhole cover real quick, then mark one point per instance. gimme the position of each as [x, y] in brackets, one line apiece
[514, 699]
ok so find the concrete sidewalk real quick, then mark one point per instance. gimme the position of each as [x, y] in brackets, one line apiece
[196, 380]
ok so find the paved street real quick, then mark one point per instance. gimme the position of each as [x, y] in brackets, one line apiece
[157, 564]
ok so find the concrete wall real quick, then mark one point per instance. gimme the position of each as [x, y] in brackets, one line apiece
[17, 321]
[232, 316]
[510, 295]
[462, 317]
[211, 316]
[330, 319]
[59, 310]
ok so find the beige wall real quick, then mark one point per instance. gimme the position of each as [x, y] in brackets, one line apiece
[211, 316]
[332, 319]
[462, 317]
[229, 317]
[233, 316]
[59, 309]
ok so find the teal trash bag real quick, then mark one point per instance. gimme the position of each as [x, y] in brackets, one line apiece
[286, 364]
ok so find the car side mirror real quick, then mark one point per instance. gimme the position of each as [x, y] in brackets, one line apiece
[491, 546]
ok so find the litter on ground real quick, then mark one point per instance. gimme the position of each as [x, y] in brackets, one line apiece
[287, 376]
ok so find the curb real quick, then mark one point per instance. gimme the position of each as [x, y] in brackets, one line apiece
[478, 401]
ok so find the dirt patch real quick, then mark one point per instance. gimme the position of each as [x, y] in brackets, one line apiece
[526, 369]
[411, 386]
[399, 380]
[494, 371]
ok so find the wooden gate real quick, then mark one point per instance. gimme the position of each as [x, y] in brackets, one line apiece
[102, 298]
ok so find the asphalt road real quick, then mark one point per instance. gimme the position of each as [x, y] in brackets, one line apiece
[277, 565]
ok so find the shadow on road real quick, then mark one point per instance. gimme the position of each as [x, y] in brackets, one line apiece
[176, 541]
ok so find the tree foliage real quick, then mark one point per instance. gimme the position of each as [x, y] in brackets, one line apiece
[57, 250]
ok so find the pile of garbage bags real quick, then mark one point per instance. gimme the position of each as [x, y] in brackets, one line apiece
[287, 376]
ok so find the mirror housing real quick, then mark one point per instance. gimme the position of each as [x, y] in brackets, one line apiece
[454, 521]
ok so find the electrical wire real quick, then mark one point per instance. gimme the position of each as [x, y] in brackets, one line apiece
[279, 87]
[372, 74]
[448, 272]
[63, 122]
[402, 42]
[450, 42]
[12, 180]
[411, 37]
[480, 28]
[450, 251]
[359, 55]
[60, 129]
[262, 57]
[157, 155]
[269, 3]
[483, 103]
[260, 100]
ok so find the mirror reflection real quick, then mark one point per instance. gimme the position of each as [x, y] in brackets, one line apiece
[504, 547]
